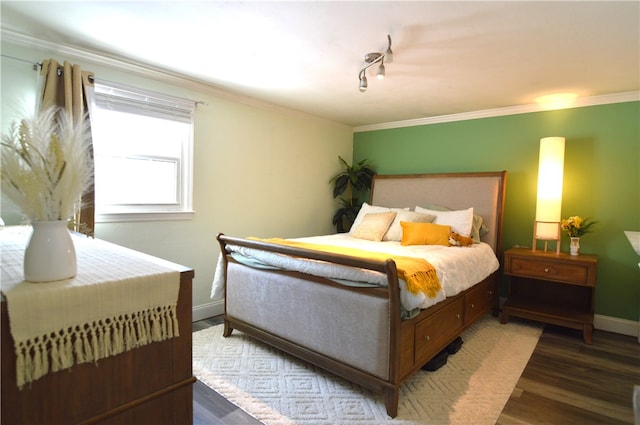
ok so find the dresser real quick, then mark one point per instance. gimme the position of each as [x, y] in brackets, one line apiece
[551, 288]
[150, 384]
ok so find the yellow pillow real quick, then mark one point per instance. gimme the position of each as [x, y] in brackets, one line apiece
[424, 234]
[373, 226]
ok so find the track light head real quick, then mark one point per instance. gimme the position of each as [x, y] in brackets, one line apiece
[363, 82]
[388, 54]
[380, 74]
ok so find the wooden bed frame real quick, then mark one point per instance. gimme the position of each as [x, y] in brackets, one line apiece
[357, 333]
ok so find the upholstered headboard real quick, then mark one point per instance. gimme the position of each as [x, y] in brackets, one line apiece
[484, 191]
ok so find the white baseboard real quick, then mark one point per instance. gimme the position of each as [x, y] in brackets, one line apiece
[617, 325]
[204, 311]
[610, 324]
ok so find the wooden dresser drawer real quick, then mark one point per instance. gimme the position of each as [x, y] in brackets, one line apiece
[550, 270]
[432, 333]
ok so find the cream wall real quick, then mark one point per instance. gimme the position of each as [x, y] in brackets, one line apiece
[258, 170]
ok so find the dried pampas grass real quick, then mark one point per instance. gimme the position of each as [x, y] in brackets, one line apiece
[46, 164]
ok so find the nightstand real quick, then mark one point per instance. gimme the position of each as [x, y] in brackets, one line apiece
[551, 288]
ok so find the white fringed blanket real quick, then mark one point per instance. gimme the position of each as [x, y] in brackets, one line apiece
[119, 300]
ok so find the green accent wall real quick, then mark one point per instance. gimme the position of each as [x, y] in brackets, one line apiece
[601, 178]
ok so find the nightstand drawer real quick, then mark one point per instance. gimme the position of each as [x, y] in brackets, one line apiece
[550, 270]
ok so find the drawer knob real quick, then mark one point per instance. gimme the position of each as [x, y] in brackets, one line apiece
[473, 305]
[458, 315]
[426, 338]
[490, 292]
[546, 270]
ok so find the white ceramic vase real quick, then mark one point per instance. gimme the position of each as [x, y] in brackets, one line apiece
[50, 254]
[574, 246]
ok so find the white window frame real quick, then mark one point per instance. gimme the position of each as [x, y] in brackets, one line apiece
[120, 97]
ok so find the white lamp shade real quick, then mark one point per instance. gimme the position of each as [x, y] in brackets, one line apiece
[550, 176]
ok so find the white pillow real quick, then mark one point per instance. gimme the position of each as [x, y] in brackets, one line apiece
[459, 220]
[478, 227]
[368, 209]
[395, 230]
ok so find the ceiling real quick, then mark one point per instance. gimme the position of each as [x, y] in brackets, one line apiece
[450, 57]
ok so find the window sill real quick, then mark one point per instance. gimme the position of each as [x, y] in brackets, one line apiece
[144, 216]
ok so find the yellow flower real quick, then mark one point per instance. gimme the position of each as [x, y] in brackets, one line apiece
[576, 226]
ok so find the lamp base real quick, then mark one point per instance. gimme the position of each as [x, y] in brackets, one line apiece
[548, 227]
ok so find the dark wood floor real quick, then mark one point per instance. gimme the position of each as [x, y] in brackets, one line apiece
[568, 382]
[209, 407]
[565, 382]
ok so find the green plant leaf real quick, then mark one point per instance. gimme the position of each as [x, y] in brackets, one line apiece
[341, 184]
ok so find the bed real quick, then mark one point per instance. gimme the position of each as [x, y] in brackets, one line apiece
[360, 321]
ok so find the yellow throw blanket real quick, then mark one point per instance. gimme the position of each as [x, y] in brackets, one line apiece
[419, 275]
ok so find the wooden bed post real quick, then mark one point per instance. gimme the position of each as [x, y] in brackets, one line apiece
[392, 395]
[228, 329]
[391, 399]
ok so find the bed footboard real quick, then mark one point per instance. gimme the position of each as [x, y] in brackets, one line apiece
[333, 322]
[352, 332]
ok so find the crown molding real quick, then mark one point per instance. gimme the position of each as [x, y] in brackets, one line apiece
[511, 110]
[92, 56]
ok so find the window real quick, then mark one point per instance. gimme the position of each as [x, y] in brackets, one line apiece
[143, 144]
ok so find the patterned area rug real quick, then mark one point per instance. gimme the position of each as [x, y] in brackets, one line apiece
[275, 388]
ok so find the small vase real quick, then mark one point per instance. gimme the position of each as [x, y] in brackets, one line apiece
[574, 246]
[50, 254]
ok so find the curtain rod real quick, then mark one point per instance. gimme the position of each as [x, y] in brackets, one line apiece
[36, 65]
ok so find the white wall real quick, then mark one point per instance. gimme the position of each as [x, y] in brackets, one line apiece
[258, 171]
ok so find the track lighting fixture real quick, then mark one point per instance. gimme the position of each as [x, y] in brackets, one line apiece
[371, 59]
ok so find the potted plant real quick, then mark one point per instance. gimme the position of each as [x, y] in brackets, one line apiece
[46, 167]
[355, 180]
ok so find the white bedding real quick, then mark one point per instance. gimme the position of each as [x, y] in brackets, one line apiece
[458, 268]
